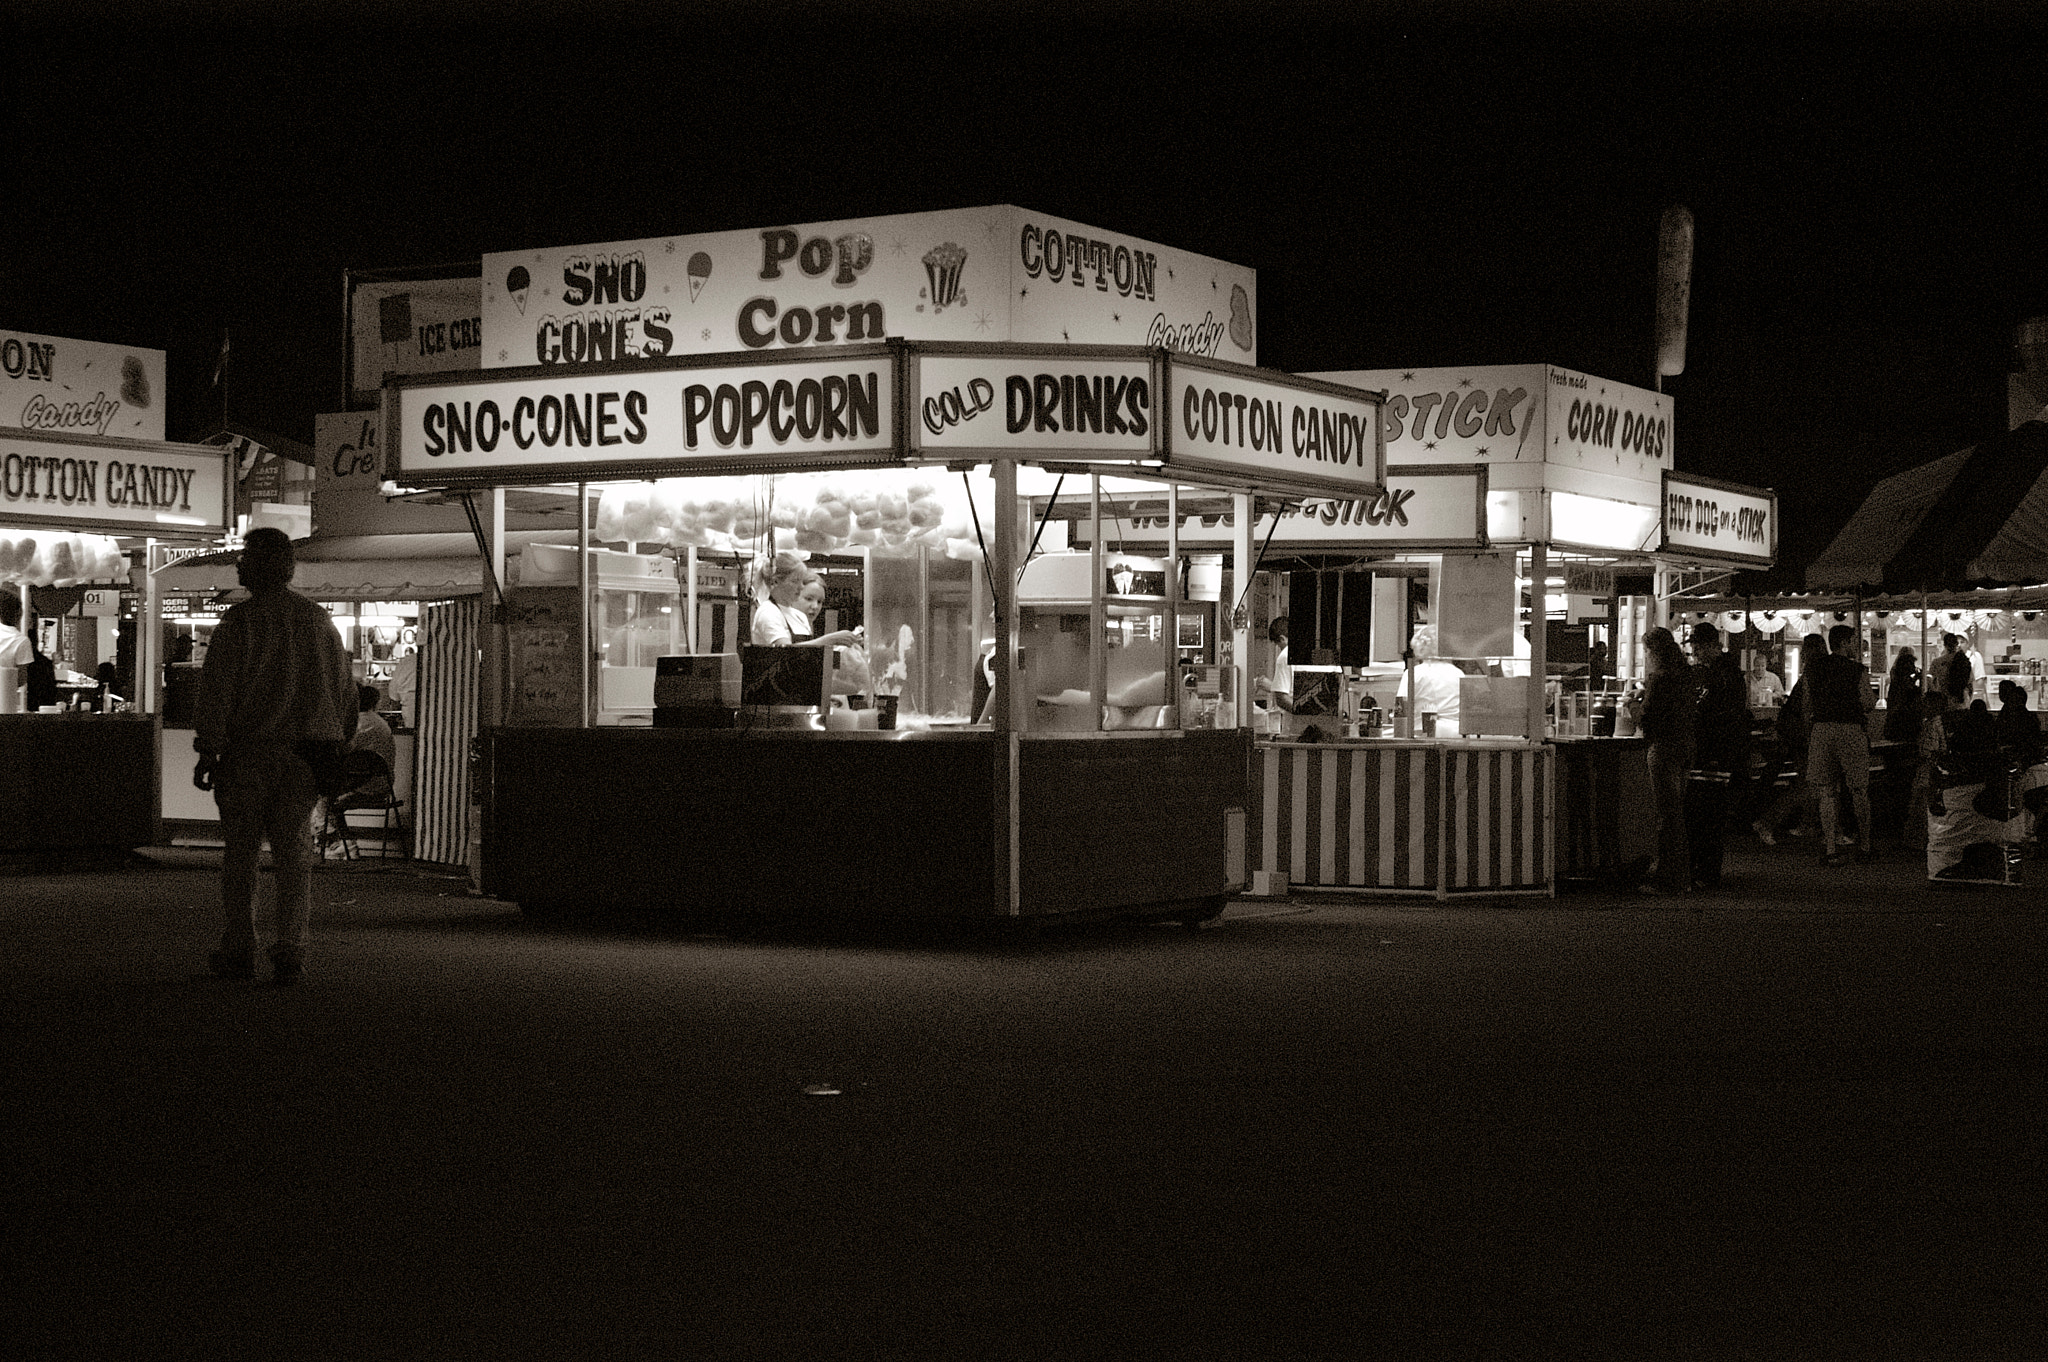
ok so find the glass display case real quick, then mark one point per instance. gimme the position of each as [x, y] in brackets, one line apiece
[636, 616]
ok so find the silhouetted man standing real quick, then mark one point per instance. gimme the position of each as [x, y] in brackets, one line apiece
[276, 678]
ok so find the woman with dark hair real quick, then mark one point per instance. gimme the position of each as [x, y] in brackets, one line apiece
[1664, 715]
[1795, 725]
[1902, 699]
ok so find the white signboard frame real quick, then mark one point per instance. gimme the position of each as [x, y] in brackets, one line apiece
[1073, 403]
[55, 386]
[1234, 424]
[126, 487]
[718, 414]
[1723, 522]
[1418, 508]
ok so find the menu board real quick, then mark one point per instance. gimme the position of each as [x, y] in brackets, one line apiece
[547, 679]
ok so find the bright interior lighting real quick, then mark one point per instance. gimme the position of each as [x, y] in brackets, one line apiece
[1601, 523]
[179, 519]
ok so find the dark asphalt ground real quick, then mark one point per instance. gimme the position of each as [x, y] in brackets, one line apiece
[1805, 1123]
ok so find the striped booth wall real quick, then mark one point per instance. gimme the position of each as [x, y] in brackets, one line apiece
[450, 635]
[1414, 819]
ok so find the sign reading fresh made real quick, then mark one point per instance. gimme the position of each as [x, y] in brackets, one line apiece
[1719, 520]
[837, 406]
[999, 273]
[85, 484]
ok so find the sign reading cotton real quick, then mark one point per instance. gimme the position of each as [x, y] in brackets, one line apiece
[1000, 273]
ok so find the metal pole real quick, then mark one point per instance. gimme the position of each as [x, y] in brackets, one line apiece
[1098, 609]
[1539, 630]
[589, 625]
[1239, 620]
[1171, 642]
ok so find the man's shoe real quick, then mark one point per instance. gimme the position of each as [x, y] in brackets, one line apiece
[1838, 858]
[1867, 856]
[1763, 833]
[288, 972]
[231, 966]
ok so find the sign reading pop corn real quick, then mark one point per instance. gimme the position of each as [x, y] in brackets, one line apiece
[974, 274]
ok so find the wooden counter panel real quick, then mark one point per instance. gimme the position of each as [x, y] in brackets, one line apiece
[708, 824]
[84, 780]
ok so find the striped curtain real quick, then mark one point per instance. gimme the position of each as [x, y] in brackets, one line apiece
[450, 635]
[1405, 818]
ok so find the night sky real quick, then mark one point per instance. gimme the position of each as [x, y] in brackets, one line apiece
[1416, 185]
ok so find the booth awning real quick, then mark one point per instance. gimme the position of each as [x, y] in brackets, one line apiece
[1975, 517]
[401, 567]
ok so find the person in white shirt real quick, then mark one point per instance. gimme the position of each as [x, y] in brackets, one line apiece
[1766, 691]
[1436, 684]
[15, 649]
[780, 620]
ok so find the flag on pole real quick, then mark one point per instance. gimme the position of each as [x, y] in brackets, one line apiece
[221, 368]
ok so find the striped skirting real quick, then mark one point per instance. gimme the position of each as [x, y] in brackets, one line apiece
[1425, 819]
[450, 635]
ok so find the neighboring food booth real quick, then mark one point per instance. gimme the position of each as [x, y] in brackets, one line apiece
[1105, 774]
[1513, 494]
[83, 519]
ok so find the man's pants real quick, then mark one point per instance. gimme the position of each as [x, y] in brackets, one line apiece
[265, 791]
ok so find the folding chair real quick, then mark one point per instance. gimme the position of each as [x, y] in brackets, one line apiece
[371, 791]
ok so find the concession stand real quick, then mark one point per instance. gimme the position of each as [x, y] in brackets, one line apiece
[1104, 774]
[79, 511]
[1513, 494]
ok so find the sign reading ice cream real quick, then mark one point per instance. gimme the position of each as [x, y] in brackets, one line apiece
[975, 274]
[73, 387]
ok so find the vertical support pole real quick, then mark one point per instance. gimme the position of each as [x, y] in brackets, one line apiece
[1539, 630]
[1239, 599]
[495, 684]
[1098, 609]
[1005, 701]
[586, 621]
[149, 634]
[1171, 624]
[690, 598]
[924, 627]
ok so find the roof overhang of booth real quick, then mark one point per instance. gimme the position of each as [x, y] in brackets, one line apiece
[404, 567]
[1976, 517]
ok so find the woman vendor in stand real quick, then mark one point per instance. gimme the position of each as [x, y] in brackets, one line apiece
[1436, 684]
[782, 618]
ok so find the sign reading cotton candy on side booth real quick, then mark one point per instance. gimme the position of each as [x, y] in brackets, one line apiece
[74, 387]
[1000, 273]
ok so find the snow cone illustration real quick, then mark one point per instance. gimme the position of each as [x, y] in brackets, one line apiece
[516, 284]
[942, 265]
[699, 269]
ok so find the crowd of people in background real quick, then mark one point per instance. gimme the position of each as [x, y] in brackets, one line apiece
[1822, 733]
[1706, 770]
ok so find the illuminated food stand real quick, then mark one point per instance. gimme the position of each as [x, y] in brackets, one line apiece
[1051, 805]
[76, 510]
[1505, 486]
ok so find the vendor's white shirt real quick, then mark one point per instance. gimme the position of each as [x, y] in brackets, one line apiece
[1436, 692]
[1282, 679]
[15, 650]
[779, 625]
[1766, 690]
